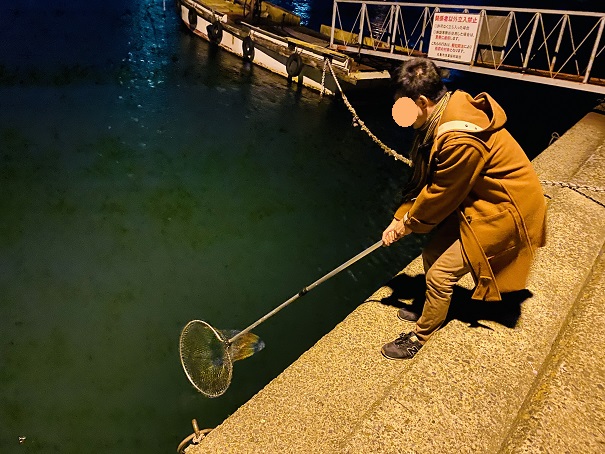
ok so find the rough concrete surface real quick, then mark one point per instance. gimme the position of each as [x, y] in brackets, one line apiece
[566, 411]
[490, 380]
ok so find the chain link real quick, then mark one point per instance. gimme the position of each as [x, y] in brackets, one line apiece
[573, 186]
[323, 77]
[598, 202]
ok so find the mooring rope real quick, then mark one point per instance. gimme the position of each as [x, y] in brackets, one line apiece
[362, 125]
[398, 157]
[323, 77]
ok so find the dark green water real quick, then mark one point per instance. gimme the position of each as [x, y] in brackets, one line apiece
[147, 180]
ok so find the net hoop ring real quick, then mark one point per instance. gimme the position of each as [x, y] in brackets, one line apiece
[228, 363]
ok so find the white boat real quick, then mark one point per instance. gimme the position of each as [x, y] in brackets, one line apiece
[272, 37]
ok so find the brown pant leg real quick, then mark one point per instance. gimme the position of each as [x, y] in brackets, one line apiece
[444, 265]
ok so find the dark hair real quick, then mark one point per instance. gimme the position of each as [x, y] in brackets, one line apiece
[420, 76]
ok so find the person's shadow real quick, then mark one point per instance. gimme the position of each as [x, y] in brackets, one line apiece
[408, 292]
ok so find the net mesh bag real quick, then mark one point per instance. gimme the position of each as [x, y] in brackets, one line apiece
[205, 358]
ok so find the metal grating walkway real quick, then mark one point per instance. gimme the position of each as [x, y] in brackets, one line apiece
[561, 48]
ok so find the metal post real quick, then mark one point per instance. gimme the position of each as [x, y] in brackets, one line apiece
[531, 41]
[362, 18]
[369, 22]
[391, 11]
[424, 21]
[394, 28]
[334, 9]
[510, 23]
[594, 50]
[482, 20]
[559, 40]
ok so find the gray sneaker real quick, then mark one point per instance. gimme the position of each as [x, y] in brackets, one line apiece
[407, 315]
[404, 347]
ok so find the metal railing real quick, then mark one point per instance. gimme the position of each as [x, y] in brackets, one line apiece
[562, 48]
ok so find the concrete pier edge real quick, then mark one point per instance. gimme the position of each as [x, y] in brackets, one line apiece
[527, 376]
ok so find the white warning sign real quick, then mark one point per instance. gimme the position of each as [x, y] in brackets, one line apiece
[454, 36]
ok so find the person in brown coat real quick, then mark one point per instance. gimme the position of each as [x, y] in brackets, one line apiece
[473, 184]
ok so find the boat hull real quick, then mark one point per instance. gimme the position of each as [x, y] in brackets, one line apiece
[299, 61]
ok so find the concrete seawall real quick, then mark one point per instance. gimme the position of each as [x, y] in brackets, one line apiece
[524, 375]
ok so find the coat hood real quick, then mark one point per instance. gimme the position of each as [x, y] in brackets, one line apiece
[468, 114]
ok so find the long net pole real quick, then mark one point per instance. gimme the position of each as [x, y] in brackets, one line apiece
[307, 289]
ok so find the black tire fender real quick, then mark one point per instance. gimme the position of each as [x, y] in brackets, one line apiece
[192, 16]
[248, 48]
[215, 32]
[294, 65]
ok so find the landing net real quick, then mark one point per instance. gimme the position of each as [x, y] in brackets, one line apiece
[205, 358]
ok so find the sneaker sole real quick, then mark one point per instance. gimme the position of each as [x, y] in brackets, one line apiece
[406, 319]
[391, 357]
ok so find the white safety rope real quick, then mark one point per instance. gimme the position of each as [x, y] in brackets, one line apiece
[358, 122]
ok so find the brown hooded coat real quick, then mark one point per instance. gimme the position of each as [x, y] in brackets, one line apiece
[479, 171]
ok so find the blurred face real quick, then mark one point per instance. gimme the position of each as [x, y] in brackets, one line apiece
[407, 112]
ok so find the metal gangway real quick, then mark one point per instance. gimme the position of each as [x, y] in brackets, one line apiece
[553, 47]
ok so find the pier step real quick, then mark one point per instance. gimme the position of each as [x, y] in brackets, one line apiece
[516, 376]
[566, 410]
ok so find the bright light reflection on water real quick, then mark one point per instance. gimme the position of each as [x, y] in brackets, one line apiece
[302, 8]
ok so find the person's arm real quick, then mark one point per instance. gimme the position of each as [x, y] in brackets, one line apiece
[459, 164]
[395, 231]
